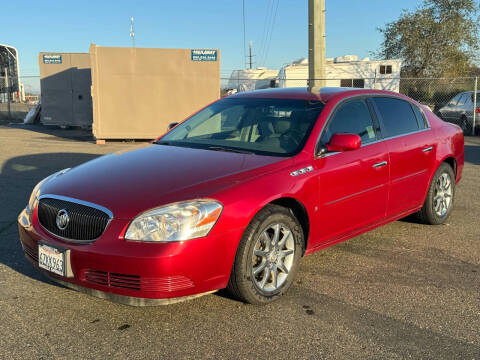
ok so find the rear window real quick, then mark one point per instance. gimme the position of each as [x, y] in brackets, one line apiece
[397, 116]
[478, 98]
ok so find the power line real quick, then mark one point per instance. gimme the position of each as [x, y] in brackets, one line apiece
[267, 48]
[268, 20]
[262, 39]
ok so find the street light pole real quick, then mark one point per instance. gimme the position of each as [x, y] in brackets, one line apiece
[316, 44]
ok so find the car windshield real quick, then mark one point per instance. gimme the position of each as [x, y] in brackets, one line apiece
[278, 127]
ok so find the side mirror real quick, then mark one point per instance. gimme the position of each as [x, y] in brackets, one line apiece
[344, 142]
[172, 125]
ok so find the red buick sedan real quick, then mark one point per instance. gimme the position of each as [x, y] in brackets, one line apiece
[238, 193]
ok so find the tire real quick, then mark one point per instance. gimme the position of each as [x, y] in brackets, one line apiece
[464, 123]
[432, 211]
[276, 257]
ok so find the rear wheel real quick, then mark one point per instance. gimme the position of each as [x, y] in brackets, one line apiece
[268, 256]
[440, 197]
[464, 123]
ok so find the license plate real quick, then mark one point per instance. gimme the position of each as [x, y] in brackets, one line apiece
[51, 259]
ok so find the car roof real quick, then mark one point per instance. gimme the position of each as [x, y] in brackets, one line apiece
[323, 94]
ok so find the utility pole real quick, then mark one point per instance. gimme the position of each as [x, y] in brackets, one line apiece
[316, 44]
[132, 32]
[244, 33]
[250, 55]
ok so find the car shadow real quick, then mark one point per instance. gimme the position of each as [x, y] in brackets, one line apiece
[55, 132]
[472, 154]
[18, 176]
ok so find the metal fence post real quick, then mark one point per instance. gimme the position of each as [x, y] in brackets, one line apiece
[474, 106]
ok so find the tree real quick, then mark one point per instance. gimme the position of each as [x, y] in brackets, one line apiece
[438, 39]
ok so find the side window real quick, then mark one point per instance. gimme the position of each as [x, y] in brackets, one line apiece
[462, 100]
[397, 116]
[468, 99]
[453, 102]
[351, 118]
[422, 123]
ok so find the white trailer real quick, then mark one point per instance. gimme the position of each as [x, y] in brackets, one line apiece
[252, 79]
[346, 71]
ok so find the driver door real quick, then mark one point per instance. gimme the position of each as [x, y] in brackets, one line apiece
[352, 185]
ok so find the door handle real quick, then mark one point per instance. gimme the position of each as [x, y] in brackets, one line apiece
[427, 149]
[383, 163]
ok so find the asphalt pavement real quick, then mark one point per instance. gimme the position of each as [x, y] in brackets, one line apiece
[402, 291]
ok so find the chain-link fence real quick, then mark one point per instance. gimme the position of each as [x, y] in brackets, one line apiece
[452, 99]
[16, 103]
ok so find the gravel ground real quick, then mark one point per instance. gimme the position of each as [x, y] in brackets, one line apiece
[402, 291]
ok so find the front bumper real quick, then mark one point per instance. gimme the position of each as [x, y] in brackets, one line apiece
[138, 273]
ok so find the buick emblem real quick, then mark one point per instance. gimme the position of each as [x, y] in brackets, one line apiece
[62, 219]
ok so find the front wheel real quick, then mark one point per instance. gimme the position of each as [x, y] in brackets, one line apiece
[440, 197]
[268, 256]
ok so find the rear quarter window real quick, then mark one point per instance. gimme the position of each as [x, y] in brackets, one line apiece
[397, 116]
[422, 123]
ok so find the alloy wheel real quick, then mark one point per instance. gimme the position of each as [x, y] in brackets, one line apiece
[273, 257]
[443, 194]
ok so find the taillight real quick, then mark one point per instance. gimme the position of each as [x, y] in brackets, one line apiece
[477, 110]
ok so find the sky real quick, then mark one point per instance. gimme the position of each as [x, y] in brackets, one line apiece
[67, 26]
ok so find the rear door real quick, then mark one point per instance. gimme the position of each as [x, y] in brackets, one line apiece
[411, 149]
[352, 184]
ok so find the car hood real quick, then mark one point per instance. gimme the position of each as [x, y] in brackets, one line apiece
[131, 182]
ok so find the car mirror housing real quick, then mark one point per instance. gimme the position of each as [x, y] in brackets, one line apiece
[344, 142]
[172, 125]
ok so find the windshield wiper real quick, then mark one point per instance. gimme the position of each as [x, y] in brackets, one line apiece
[221, 148]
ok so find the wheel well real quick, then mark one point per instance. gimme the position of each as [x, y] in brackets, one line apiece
[451, 161]
[299, 211]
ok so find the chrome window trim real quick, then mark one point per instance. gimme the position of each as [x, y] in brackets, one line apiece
[406, 134]
[80, 202]
[366, 96]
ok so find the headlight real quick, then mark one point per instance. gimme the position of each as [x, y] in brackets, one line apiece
[175, 222]
[32, 202]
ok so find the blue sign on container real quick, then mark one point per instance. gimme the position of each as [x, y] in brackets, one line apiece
[204, 55]
[52, 59]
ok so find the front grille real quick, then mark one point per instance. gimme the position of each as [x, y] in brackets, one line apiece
[103, 278]
[86, 223]
[135, 282]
